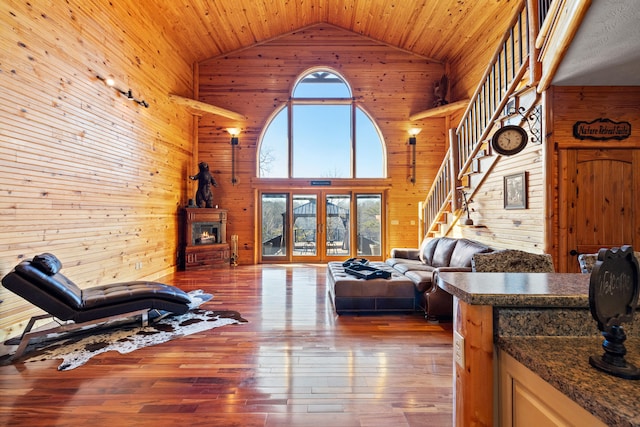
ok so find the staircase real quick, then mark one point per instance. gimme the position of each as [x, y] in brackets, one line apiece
[469, 159]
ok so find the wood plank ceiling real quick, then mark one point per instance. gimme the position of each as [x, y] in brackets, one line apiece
[203, 29]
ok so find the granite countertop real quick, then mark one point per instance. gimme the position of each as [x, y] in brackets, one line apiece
[518, 289]
[561, 360]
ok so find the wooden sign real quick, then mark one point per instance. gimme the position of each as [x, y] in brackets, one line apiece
[602, 130]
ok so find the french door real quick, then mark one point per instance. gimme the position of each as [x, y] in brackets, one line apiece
[319, 226]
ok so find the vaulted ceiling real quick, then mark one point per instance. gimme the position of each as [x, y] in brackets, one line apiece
[436, 29]
[604, 52]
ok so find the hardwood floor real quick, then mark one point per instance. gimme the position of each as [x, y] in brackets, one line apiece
[296, 363]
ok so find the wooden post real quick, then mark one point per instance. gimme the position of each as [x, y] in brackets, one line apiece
[473, 383]
[455, 169]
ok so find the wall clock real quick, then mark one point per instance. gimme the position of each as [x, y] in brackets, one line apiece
[509, 140]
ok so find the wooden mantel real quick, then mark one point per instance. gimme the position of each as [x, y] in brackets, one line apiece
[441, 111]
[206, 108]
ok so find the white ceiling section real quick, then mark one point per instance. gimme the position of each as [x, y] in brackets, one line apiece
[606, 48]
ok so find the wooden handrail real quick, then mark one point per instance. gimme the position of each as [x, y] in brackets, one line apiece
[560, 36]
[545, 28]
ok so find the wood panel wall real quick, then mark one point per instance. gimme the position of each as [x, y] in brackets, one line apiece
[568, 105]
[390, 84]
[469, 66]
[502, 228]
[85, 173]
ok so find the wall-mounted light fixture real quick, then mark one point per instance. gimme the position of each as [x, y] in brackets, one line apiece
[234, 132]
[413, 132]
[109, 81]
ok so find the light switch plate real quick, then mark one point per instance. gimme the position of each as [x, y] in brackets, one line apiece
[458, 348]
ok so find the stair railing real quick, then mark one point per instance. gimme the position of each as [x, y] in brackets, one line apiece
[502, 77]
[438, 197]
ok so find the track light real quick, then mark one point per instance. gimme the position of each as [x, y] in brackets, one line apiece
[109, 81]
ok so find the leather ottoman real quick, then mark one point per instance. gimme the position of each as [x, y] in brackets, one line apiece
[351, 294]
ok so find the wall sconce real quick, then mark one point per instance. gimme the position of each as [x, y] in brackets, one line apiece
[234, 250]
[413, 132]
[109, 81]
[234, 132]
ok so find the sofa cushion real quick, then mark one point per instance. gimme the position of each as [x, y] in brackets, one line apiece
[406, 253]
[427, 247]
[443, 251]
[464, 251]
[422, 280]
[393, 262]
[407, 266]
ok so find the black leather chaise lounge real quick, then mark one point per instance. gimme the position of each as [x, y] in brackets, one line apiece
[40, 282]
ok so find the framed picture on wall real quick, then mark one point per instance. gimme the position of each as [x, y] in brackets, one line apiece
[515, 191]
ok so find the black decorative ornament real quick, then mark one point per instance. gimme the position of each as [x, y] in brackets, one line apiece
[613, 295]
[509, 140]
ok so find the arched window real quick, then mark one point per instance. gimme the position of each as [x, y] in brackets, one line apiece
[331, 135]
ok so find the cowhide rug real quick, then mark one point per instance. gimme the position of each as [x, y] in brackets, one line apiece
[77, 348]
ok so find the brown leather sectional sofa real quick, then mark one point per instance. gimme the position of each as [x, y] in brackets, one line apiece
[423, 264]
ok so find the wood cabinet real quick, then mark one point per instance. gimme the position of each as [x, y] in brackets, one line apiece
[528, 400]
[203, 242]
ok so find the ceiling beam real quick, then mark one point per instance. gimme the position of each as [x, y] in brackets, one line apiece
[192, 104]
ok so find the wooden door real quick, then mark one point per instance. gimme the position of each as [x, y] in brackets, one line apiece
[598, 202]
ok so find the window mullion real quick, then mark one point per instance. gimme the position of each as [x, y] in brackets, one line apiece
[290, 137]
[353, 139]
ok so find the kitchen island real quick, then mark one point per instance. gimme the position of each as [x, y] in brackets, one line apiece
[543, 322]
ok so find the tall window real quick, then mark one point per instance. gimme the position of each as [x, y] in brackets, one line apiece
[331, 136]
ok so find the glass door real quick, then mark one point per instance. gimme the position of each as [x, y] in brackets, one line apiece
[337, 230]
[274, 225]
[369, 225]
[320, 226]
[305, 227]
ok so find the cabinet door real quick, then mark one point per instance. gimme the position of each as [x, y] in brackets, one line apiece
[527, 400]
